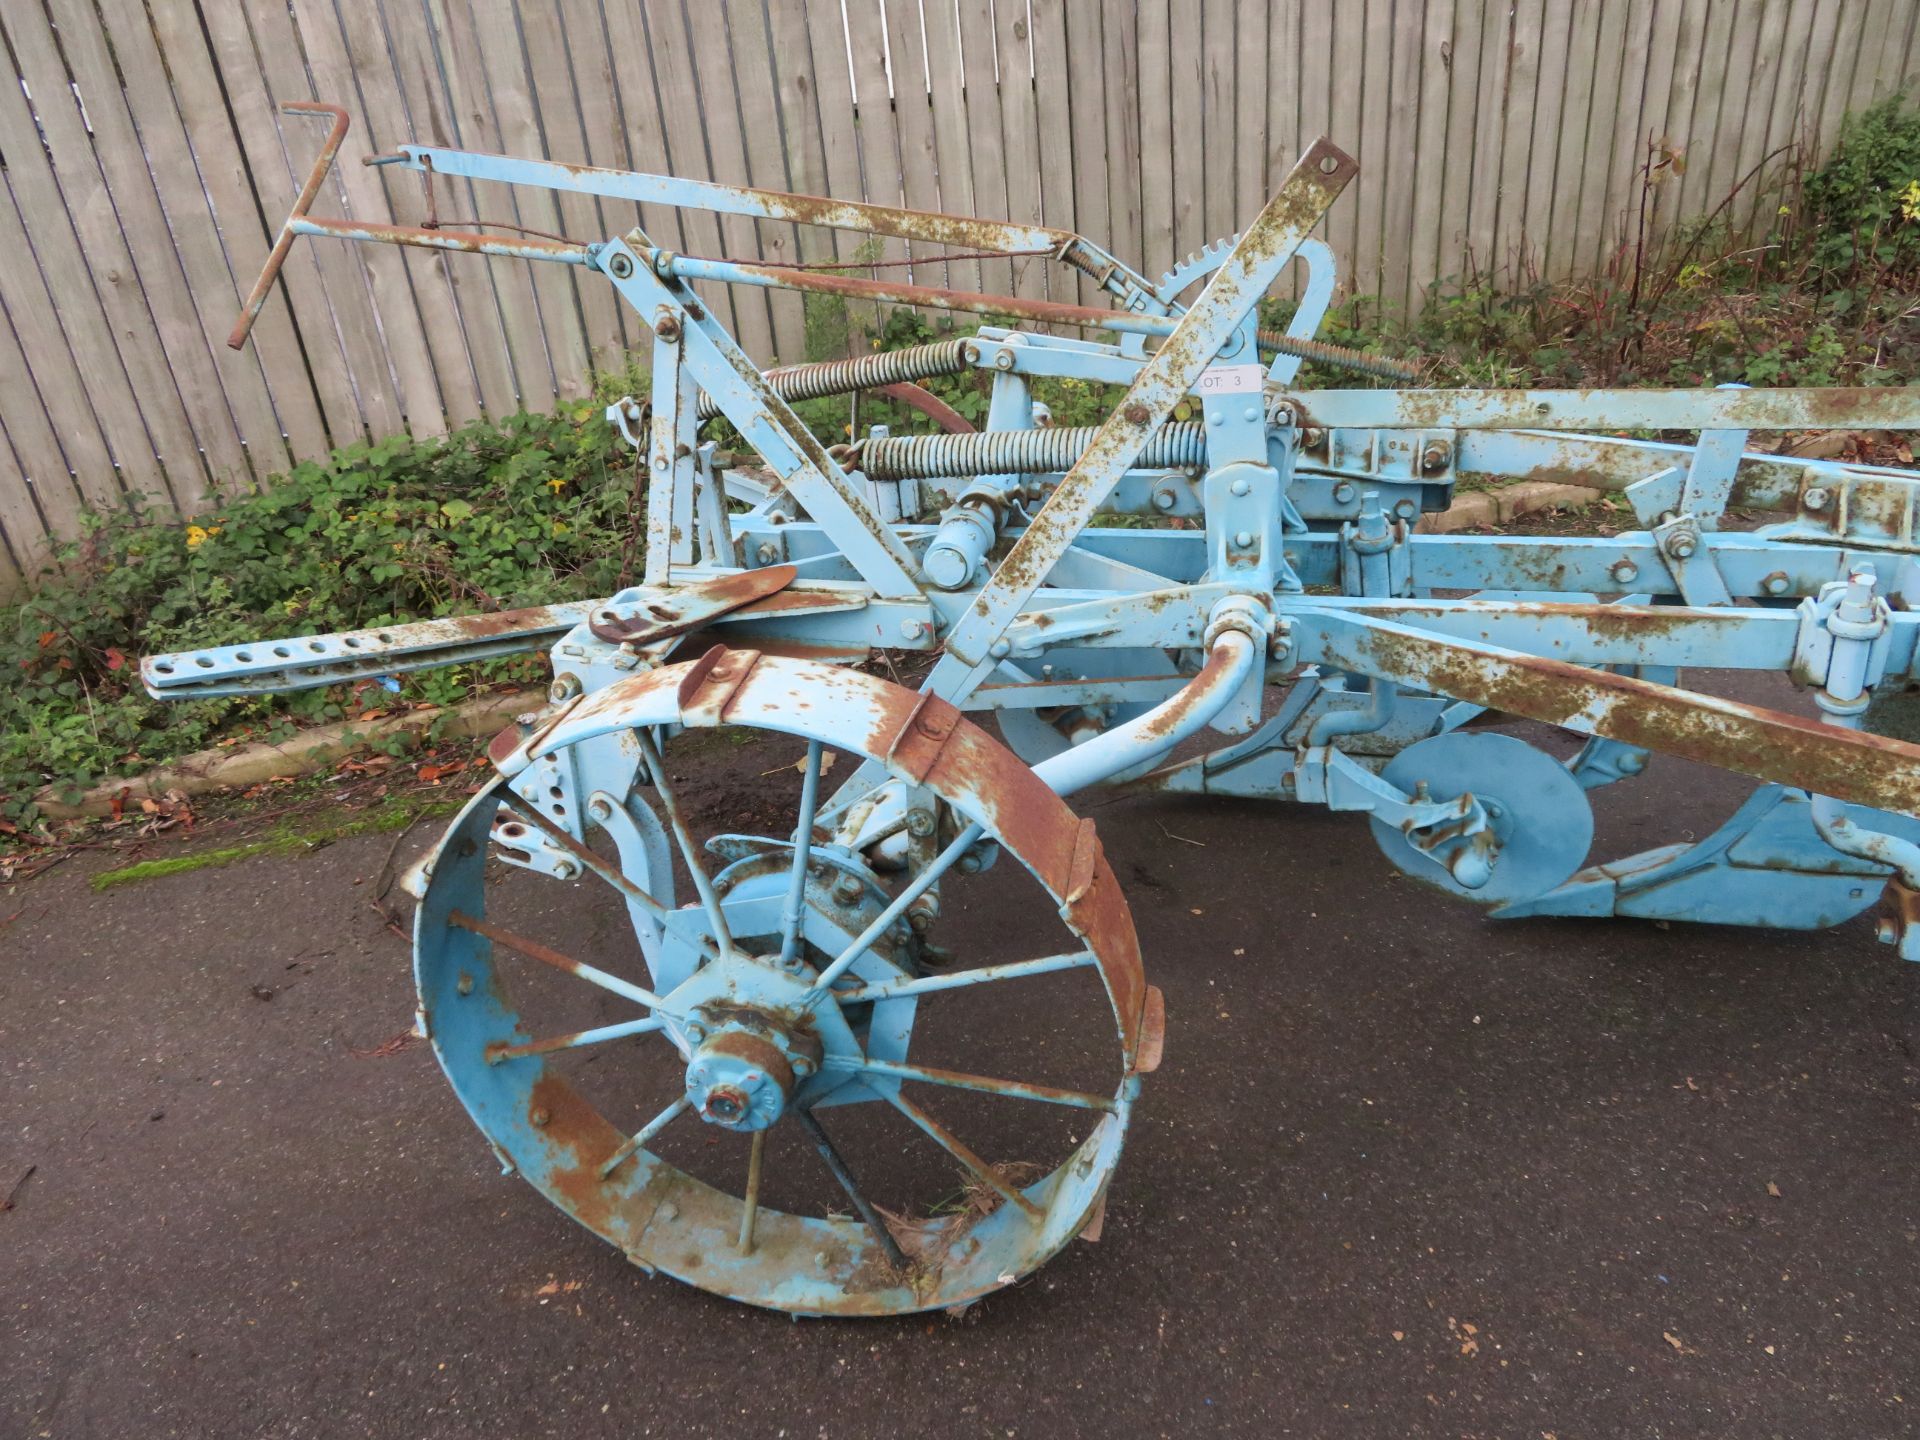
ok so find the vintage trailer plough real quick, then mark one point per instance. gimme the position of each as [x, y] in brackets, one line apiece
[780, 975]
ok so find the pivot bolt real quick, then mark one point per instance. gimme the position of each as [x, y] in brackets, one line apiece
[920, 823]
[912, 628]
[563, 688]
[766, 554]
[599, 809]
[1681, 545]
[620, 267]
[1344, 492]
[1776, 583]
[1815, 498]
[1164, 499]
[1003, 360]
[565, 870]
[847, 889]
[667, 327]
[1436, 456]
[1624, 572]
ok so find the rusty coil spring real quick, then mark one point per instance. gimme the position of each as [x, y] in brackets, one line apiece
[1339, 356]
[1013, 452]
[863, 372]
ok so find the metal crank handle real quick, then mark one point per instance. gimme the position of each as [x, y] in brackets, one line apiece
[250, 311]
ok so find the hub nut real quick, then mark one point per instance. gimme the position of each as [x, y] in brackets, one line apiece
[739, 1081]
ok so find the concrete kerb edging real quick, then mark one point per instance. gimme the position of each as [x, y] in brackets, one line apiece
[1496, 507]
[308, 752]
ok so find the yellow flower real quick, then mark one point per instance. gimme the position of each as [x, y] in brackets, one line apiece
[196, 537]
[556, 484]
[1910, 200]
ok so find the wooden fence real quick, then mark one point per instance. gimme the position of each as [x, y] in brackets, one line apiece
[146, 169]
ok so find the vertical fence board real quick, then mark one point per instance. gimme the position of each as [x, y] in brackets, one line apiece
[1422, 190]
[39, 504]
[1215, 155]
[1020, 137]
[1120, 81]
[1058, 195]
[727, 163]
[952, 139]
[1084, 79]
[766, 166]
[1160, 178]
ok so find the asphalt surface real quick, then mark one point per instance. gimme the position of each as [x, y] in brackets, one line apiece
[1405, 1171]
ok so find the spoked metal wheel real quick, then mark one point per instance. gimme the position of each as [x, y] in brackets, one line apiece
[783, 1091]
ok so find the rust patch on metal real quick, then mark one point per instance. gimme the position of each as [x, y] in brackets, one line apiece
[581, 1141]
[691, 606]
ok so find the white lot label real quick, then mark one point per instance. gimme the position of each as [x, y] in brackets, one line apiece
[1230, 380]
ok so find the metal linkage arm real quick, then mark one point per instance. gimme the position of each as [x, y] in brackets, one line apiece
[1002, 236]
[1791, 750]
[1888, 407]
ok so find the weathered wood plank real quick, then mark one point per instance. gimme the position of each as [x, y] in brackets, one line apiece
[984, 130]
[470, 116]
[1120, 81]
[756, 85]
[1154, 55]
[1020, 135]
[395, 306]
[1094, 189]
[1416, 210]
[719, 114]
[1053, 78]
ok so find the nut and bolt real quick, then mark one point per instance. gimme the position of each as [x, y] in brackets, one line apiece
[1136, 414]
[1624, 572]
[1776, 583]
[920, 823]
[527, 719]
[599, 809]
[847, 889]
[1164, 499]
[563, 688]
[620, 267]
[1003, 360]
[1681, 545]
[912, 628]
[566, 870]
[1816, 498]
[1436, 456]
[766, 553]
[667, 327]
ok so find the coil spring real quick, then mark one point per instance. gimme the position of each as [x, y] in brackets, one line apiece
[1338, 356]
[1014, 452]
[863, 372]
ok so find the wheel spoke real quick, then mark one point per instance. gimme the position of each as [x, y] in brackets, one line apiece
[919, 886]
[546, 955]
[609, 873]
[985, 1084]
[688, 850]
[845, 1177]
[751, 1206]
[645, 1133]
[791, 912]
[498, 1052]
[985, 975]
[952, 1144]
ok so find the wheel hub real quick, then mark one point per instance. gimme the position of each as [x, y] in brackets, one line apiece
[744, 1070]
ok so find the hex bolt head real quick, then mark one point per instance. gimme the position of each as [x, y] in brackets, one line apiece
[563, 688]
[920, 823]
[1816, 498]
[565, 870]
[1777, 583]
[1625, 572]
[1164, 499]
[1436, 456]
[1003, 360]
[1681, 545]
[766, 553]
[912, 628]
[848, 889]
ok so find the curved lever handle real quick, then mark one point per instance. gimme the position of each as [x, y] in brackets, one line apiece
[321, 165]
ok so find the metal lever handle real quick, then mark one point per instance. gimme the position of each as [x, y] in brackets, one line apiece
[321, 165]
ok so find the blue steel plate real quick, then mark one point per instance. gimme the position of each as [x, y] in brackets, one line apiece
[1542, 817]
